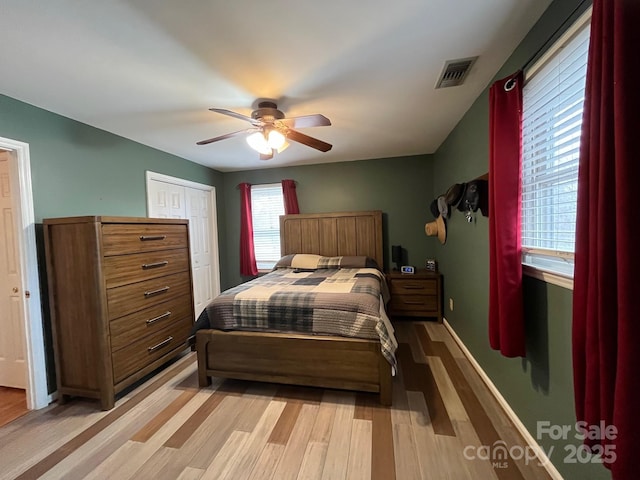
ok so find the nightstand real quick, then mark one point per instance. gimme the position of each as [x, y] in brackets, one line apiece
[415, 295]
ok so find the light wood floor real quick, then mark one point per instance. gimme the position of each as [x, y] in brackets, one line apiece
[168, 428]
[13, 404]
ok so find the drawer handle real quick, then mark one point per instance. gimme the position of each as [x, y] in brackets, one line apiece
[147, 266]
[156, 292]
[148, 238]
[409, 302]
[159, 317]
[414, 287]
[160, 345]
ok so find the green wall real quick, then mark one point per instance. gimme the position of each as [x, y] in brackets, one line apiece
[539, 387]
[400, 187]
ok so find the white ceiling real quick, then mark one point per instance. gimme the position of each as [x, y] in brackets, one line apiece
[148, 70]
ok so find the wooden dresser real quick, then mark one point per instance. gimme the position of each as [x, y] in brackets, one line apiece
[121, 300]
[415, 295]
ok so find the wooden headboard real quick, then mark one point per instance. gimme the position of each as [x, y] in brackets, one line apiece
[333, 234]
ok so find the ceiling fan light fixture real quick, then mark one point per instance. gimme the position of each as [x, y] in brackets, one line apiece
[284, 146]
[265, 142]
[276, 140]
[259, 143]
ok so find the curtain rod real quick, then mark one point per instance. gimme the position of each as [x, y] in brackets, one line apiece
[294, 181]
[556, 34]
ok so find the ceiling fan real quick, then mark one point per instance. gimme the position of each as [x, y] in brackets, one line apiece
[270, 130]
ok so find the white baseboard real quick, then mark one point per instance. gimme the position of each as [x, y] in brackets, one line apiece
[542, 456]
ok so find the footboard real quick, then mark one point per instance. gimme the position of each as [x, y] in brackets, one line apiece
[319, 361]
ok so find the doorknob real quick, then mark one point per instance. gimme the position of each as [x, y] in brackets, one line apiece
[14, 289]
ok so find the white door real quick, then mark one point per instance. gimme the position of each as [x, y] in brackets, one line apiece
[197, 203]
[166, 200]
[170, 200]
[13, 368]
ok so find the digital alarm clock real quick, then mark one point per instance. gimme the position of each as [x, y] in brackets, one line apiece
[407, 269]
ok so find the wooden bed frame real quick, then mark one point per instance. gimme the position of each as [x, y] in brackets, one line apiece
[319, 361]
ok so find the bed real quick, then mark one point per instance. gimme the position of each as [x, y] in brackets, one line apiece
[306, 348]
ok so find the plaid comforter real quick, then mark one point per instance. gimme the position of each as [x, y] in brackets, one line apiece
[344, 302]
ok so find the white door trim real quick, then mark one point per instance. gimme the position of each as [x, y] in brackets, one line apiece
[215, 261]
[37, 395]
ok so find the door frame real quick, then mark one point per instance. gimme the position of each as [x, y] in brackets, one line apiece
[215, 259]
[37, 394]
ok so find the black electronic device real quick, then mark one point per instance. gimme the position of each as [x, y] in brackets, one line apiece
[396, 255]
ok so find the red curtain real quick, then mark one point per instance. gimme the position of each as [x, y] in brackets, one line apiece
[606, 329]
[290, 197]
[506, 316]
[248, 265]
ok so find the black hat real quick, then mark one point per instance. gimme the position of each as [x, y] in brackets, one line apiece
[434, 208]
[454, 194]
[475, 196]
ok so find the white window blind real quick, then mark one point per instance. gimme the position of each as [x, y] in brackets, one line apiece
[553, 98]
[267, 204]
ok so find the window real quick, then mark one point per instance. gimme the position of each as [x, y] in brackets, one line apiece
[267, 204]
[553, 98]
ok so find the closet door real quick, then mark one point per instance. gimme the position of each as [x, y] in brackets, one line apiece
[166, 200]
[198, 212]
[170, 200]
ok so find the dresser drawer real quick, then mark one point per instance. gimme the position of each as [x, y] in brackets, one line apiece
[409, 286]
[124, 269]
[143, 351]
[129, 328]
[414, 303]
[137, 296]
[118, 239]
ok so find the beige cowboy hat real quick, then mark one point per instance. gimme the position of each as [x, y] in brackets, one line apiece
[437, 228]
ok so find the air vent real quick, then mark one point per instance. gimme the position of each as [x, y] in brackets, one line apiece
[454, 72]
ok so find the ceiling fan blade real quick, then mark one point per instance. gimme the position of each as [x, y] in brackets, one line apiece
[225, 136]
[230, 113]
[308, 141]
[306, 121]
